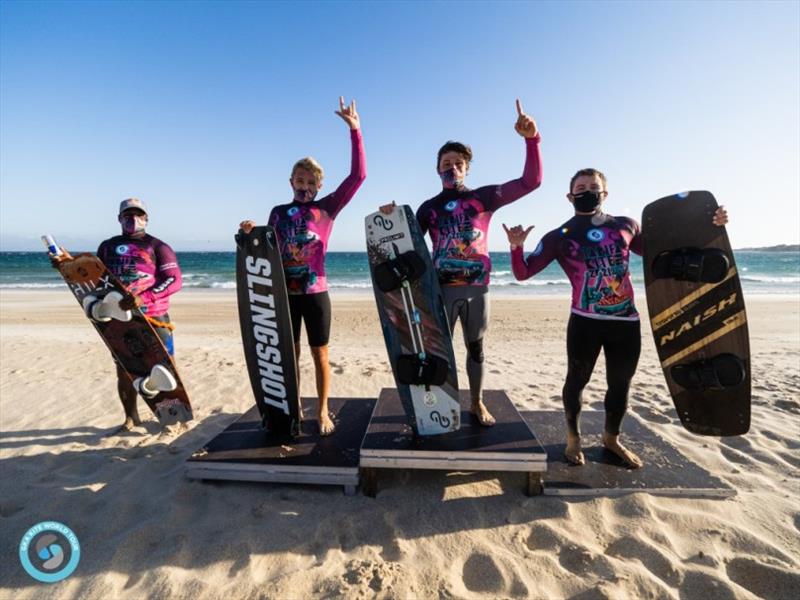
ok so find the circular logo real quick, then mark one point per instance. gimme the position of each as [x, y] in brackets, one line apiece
[122, 249]
[49, 551]
[383, 222]
[429, 399]
[451, 206]
[538, 250]
[595, 235]
[293, 211]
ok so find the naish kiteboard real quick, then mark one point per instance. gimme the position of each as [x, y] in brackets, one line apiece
[697, 313]
[267, 330]
[414, 321]
[129, 336]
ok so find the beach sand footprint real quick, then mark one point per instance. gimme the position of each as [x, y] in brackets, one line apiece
[765, 581]
[650, 556]
[542, 537]
[699, 584]
[482, 574]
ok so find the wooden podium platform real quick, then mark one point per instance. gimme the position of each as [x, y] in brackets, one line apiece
[510, 445]
[244, 452]
[666, 472]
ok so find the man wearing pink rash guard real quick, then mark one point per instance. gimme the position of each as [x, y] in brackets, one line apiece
[457, 220]
[594, 249]
[303, 227]
[149, 270]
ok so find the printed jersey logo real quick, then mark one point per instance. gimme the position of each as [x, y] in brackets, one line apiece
[451, 206]
[595, 235]
[293, 211]
[122, 249]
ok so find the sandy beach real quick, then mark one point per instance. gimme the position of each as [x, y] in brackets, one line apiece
[146, 531]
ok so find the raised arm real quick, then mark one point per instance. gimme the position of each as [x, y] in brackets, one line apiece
[542, 256]
[336, 201]
[531, 179]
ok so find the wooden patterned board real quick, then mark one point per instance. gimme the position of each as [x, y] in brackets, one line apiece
[696, 322]
[134, 344]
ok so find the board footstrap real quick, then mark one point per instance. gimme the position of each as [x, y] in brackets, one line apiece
[391, 274]
[708, 265]
[413, 370]
[720, 372]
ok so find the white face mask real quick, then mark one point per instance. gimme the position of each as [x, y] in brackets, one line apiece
[133, 224]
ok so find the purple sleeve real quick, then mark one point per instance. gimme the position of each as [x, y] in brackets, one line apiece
[517, 188]
[101, 252]
[635, 244]
[542, 256]
[336, 201]
[423, 223]
[168, 278]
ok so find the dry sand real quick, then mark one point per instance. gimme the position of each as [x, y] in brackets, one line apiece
[146, 531]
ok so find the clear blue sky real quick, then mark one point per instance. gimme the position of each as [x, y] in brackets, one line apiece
[201, 108]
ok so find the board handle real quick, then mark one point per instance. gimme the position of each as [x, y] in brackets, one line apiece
[50, 243]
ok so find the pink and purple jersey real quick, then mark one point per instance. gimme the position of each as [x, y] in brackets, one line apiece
[146, 266]
[303, 228]
[458, 222]
[594, 251]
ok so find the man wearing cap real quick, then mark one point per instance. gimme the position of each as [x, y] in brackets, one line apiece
[148, 268]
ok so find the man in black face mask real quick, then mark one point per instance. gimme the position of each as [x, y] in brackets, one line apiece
[594, 248]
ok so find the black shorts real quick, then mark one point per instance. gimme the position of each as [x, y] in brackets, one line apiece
[315, 311]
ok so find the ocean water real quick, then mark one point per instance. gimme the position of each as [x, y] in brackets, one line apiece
[762, 272]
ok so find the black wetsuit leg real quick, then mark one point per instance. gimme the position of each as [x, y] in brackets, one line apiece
[622, 344]
[584, 341]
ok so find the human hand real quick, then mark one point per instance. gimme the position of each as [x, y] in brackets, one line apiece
[387, 208]
[56, 260]
[720, 217]
[348, 113]
[525, 125]
[247, 226]
[130, 302]
[517, 235]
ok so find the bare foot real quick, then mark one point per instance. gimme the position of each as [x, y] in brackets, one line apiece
[573, 452]
[485, 418]
[611, 442]
[326, 425]
[128, 425]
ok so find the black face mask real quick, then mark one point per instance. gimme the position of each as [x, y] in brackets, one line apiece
[587, 201]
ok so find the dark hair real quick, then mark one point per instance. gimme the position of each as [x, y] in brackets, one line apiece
[452, 146]
[589, 173]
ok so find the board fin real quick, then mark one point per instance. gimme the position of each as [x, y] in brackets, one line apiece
[391, 274]
[708, 265]
[719, 372]
[413, 370]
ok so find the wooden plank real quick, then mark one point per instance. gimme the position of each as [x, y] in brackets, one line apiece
[232, 472]
[510, 445]
[666, 471]
[244, 452]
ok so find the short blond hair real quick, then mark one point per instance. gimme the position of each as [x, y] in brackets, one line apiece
[309, 164]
